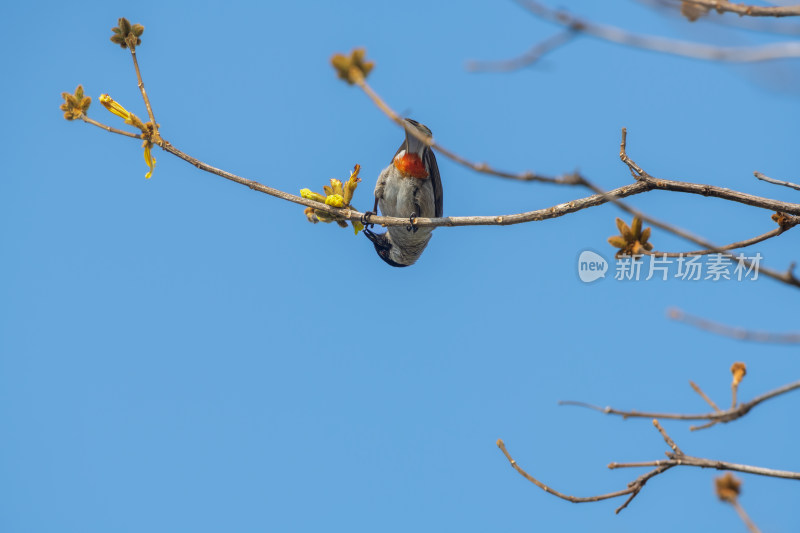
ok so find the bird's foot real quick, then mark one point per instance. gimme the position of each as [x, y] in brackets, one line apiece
[365, 219]
[411, 227]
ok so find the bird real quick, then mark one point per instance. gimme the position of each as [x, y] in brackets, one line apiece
[409, 187]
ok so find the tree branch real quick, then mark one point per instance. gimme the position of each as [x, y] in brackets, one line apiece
[733, 246]
[733, 332]
[675, 458]
[717, 417]
[789, 184]
[633, 487]
[722, 6]
[703, 395]
[528, 58]
[109, 128]
[741, 54]
[753, 24]
[132, 48]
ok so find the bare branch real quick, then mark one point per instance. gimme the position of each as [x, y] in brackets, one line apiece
[141, 89]
[733, 246]
[789, 184]
[675, 458]
[741, 54]
[667, 438]
[703, 190]
[351, 214]
[733, 332]
[788, 221]
[754, 24]
[633, 487]
[528, 58]
[722, 6]
[109, 128]
[716, 416]
[703, 395]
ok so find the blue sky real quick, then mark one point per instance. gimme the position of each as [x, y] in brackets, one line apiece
[185, 354]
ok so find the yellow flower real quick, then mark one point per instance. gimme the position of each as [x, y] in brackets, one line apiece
[337, 194]
[113, 106]
[308, 194]
[149, 159]
[335, 200]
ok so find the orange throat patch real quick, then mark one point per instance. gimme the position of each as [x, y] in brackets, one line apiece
[410, 165]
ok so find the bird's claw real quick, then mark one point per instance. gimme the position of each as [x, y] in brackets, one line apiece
[411, 227]
[365, 219]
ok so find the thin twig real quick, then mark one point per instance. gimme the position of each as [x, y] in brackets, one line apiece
[109, 128]
[633, 487]
[789, 184]
[725, 416]
[742, 54]
[733, 246]
[703, 395]
[141, 88]
[751, 526]
[667, 438]
[791, 222]
[700, 462]
[528, 58]
[733, 332]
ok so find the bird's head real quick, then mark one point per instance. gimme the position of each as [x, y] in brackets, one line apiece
[383, 245]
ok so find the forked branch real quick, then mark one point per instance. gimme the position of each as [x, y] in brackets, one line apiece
[715, 417]
[676, 457]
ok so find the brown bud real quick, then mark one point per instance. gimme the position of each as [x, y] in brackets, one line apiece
[728, 487]
[739, 370]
